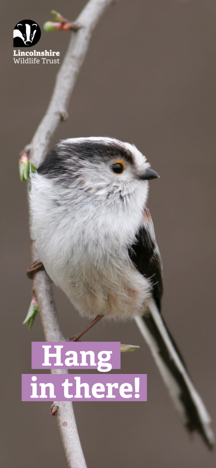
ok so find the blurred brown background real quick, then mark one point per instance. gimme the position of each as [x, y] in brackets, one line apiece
[149, 78]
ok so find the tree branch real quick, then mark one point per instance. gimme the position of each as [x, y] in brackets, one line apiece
[66, 77]
[65, 82]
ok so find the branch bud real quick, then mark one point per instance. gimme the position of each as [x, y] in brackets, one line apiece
[57, 16]
[32, 312]
[25, 167]
[49, 26]
[125, 348]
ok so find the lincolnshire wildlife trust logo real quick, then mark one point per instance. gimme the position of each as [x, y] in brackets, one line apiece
[26, 33]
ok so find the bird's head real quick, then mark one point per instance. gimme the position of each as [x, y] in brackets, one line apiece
[101, 167]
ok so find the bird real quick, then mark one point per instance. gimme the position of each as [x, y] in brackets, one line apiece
[96, 241]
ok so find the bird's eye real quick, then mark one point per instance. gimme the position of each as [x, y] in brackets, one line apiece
[118, 167]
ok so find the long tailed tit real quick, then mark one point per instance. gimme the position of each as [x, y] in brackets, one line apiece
[96, 239]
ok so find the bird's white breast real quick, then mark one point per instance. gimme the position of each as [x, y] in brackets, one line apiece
[84, 247]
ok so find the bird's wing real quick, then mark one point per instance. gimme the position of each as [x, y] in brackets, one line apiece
[145, 255]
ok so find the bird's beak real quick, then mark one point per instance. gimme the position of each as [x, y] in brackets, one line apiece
[149, 174]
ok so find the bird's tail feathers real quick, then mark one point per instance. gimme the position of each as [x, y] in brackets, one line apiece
[174, 373]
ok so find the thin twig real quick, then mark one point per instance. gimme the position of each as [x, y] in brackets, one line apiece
[37, 149]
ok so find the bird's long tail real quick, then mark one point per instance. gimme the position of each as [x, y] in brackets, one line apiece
[174, 373]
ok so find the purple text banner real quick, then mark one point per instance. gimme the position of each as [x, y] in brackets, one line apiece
[85, 387]
[101, 356]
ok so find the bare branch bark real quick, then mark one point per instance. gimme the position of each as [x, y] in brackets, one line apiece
[65, 82]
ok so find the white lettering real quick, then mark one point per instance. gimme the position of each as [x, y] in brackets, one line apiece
[34, 387]
[79, 386]
[84, 355]
[124, 389]
[97, 389]
[110, 387]
[73, 361]
[102, 367]
[43, 390]
[48, 355]
[66, 386]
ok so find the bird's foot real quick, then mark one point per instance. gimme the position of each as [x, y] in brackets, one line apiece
[36, 266]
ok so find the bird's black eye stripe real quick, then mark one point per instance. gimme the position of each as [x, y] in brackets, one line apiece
[118, 167]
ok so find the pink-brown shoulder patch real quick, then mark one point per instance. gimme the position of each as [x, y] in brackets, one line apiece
[146, 216]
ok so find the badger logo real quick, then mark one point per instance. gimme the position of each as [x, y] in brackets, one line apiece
[26, 33]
